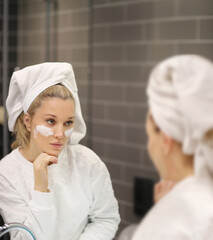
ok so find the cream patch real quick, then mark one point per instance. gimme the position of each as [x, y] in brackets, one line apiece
[45, 131]
[68, 133]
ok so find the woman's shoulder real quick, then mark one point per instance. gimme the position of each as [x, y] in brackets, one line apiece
[8, 164]
[7, 160]
[189, 197]
[187, 204]
[83, 160]
[84, 154]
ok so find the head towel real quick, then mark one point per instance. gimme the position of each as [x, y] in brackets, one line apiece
[180, 92]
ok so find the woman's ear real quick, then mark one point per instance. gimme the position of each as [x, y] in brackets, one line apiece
[168, 144]
[27, 121]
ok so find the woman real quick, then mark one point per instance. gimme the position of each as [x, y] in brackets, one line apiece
[180, 132]
[49, 182]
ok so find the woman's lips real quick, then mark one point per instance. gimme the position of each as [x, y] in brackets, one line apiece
[56, 145]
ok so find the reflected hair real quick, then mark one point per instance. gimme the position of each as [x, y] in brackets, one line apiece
[20, 133]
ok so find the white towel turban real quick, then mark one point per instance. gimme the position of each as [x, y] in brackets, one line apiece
[27, 83]
[180, 92]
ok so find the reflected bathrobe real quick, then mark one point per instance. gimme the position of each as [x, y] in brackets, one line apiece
[80, 205]
[185, 213]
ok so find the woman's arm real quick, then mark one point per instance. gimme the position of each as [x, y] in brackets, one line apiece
[40, 171]
[103, 217]
[13, 208]
[38, 213]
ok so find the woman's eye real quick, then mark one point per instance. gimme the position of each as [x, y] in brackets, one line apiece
[50, 121]
[69, 123]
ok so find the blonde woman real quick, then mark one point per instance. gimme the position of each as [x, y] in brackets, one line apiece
[180, 131]
[49, 182]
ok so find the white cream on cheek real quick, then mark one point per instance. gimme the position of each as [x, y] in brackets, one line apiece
[45, 131]
[68, 132]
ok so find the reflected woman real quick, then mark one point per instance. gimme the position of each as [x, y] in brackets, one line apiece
[180, 131]
[49, 182]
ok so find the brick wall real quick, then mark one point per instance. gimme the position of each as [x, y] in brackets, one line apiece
[12, 52]
[112, 58]
[12, 39]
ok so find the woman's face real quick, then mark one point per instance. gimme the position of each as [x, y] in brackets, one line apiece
[154, 145]
[49, 126]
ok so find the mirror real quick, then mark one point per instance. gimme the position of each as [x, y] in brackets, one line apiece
[16, 226]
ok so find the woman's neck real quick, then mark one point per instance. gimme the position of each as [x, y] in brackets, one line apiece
[179, 167]
[28, 154]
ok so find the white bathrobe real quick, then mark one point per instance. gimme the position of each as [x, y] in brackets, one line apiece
[81, 204]
[185, 213]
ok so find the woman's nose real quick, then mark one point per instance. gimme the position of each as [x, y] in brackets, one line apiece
[59, 131]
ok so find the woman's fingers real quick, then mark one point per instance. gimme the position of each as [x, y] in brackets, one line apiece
[40, 171]
[162, 188]
[43, 160]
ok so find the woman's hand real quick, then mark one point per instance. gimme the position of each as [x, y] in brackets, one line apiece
[40, 171]
[162, 188]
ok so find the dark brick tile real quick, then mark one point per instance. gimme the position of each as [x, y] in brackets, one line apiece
[98, 111]
[130, 216]
[150, 31]
[206, 30]
[135, 135]
[108, 53]
[99, 34]
[81, 73]
[108, 14]
[76, 37]
[158, 52]
[128, 114]
[177, 30]
[205, 50]
[195, 7]
[115, 170]
[99, 73]
[82, 91]
[78, 19]
[72, 4]
[137, 53]
[80, 54]
[127, 154]
[136, 94]
[150, 10]
[123, 192]
[107, 131]
[125, 74]
[131, 172]
[125, 33]
[98, 2]
[110, 93]
[98, 148]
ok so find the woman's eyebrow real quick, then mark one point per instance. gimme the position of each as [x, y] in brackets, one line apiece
[52, 115]
[48, 114]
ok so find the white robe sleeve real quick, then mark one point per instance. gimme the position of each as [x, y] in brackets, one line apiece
[103, 216]
[36, 214]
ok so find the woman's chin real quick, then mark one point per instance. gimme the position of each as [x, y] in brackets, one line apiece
[54, 153]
